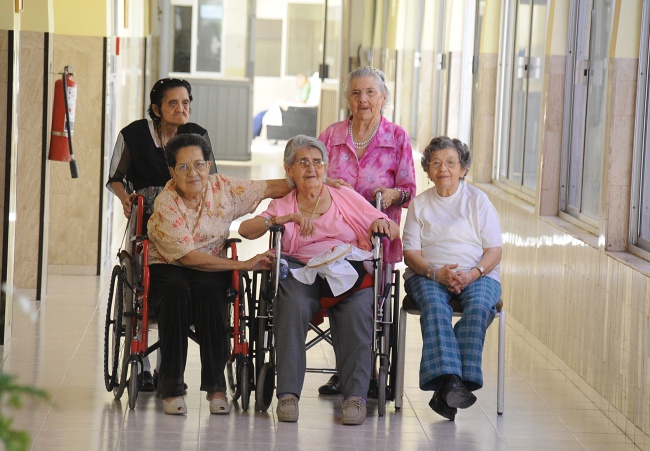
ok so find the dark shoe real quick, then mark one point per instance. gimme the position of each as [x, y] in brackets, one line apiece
[332, 387]
[146, 380]
[455, 394]
[440, 407]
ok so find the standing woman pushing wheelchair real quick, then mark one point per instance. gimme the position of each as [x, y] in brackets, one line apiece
[189, 269]
[369, 153]
[138, 165]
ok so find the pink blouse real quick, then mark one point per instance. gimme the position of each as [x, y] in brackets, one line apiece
[174, 230]
[387, 162]
[346, 222]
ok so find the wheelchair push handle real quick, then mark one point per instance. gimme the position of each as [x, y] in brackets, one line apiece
[379, 198]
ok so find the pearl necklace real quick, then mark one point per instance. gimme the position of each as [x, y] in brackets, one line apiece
[365, 143]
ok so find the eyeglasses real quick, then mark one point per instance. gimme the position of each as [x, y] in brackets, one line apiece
[437, 164]
[304, 163]
[198, 165]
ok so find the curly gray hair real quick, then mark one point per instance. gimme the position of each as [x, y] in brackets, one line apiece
[300, 142]
[444, 142]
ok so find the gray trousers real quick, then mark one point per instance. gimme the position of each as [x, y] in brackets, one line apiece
[351, 322]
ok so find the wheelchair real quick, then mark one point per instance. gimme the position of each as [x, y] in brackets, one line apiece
[385, 283]
[128, 319]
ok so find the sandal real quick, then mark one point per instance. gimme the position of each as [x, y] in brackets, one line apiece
[174, 406]
[218, 406]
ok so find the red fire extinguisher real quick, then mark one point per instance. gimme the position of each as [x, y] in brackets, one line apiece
[63, 121]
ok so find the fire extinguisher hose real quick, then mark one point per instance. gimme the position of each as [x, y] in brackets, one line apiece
[74, 170]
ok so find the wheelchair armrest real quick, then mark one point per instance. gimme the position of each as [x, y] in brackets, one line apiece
[230, 241]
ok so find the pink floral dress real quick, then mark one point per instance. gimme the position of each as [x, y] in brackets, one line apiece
[387, 162]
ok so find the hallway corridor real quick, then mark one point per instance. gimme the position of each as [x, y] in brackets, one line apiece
[57, 345]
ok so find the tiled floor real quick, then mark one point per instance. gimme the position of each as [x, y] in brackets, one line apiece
[57, 344]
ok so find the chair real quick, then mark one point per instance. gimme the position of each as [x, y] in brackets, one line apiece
[408, 306]
[285, 119]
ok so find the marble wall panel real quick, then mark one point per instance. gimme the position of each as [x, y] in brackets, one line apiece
[30, 158]
[74, 207]
[588, 308]
[483, 133]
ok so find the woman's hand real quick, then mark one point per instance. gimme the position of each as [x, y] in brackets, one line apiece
[462, 279]
[305, 225]
[337, 183]
[127, 203]
[389, 196]
[260, 261]
[381, 226]
[451, 279]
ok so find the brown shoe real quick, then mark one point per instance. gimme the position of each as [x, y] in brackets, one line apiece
[287, 410]
[354, 410]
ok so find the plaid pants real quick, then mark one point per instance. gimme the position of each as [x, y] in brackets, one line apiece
[448, 349]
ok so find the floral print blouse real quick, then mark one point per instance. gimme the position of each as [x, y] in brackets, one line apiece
[387, 162]
[174, 230]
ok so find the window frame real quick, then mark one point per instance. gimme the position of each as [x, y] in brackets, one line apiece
[636, 244]
[195, 5]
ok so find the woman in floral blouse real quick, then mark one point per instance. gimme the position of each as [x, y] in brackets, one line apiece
[189, 269]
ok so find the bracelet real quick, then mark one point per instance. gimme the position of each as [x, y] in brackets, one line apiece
[434, 274]
[403, 196]
[266, 223]
[273, 220]
[426, 271]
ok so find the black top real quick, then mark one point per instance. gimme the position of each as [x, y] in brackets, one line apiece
[138, 162]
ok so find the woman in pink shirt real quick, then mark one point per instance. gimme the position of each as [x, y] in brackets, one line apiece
[317, 218]
[369, 153]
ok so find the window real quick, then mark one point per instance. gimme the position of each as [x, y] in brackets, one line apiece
[589, 38]
[521, 101]
[198, 36]
[268, 47]
[304, 38]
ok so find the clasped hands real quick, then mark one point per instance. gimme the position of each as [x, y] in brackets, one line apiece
[455, 281]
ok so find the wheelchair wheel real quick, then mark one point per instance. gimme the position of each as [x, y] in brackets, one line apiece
[265, 387]
[259, 329]
[134, 384]
[231, 374]
[118, 330]
[381, 390]
[110, 361]
[244, 384]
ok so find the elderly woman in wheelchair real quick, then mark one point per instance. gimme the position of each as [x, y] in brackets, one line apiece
[320, 224]
[189, 269]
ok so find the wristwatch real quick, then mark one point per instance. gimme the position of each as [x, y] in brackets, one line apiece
[480, 269]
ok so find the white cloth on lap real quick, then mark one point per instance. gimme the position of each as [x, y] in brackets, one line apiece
[333, 266]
